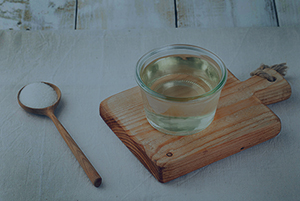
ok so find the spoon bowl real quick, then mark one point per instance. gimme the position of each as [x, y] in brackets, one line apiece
[49, 111]
[42, 111]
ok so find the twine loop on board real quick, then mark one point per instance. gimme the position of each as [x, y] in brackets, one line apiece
[280, 68]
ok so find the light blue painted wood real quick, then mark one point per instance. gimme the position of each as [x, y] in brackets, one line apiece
[288, 12]
[225, 13]
[120, 14]
[37, 15]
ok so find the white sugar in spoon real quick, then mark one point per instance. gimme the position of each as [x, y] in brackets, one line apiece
[42, 98]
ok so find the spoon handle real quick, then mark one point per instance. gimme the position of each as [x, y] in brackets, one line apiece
[81, 158]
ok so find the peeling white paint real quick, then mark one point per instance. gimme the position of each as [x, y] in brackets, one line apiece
[120, 14]
[37, 15]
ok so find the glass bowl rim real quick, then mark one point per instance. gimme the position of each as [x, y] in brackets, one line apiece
[203, 51]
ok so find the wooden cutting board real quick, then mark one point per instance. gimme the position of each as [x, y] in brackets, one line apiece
[242, 120]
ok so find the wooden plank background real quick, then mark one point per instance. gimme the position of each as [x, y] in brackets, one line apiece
[234, 13]
[120, 14]
[37, 14]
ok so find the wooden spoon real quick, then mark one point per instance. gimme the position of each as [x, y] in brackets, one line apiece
[82, 159]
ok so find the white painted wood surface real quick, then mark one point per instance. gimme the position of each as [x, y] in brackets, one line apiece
[119, 14]
[37, 14]
[234, 13]
[288, 12]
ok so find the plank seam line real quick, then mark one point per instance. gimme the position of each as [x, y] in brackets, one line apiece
[76, 13]
[175, 14]
[276, 13]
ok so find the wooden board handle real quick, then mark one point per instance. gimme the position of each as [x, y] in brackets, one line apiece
[81, 158]
[266, 91]
[270, 92]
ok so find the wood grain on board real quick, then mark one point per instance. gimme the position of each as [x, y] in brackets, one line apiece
[129, 14]
[37, 15]
[235, 13]
[241, 121]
